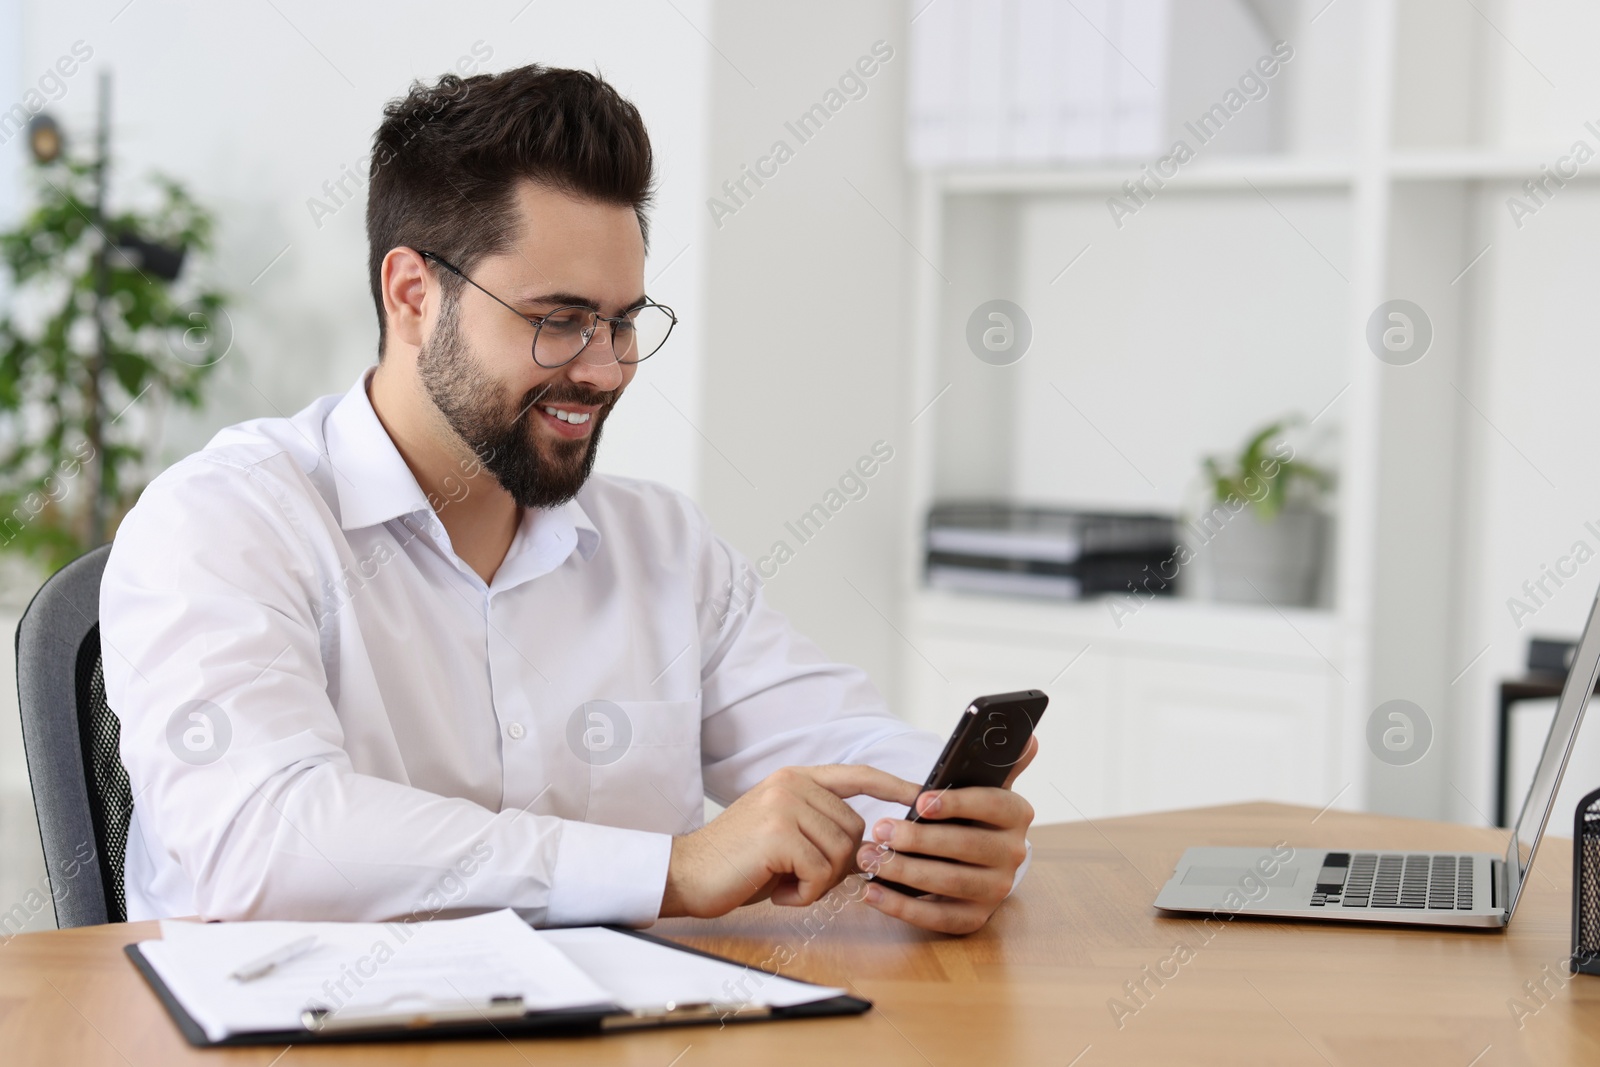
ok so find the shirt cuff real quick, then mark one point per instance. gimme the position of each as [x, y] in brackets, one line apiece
[1023, 869]
[604, 874]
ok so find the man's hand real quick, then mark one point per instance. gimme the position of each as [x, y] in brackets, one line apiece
[969, 890]
[792, 838]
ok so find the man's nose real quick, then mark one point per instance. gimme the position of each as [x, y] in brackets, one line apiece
[597, 363]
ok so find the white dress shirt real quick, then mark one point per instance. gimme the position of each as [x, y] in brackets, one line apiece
[326, 714]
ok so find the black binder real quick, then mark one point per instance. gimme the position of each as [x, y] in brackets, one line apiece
[601, 1019]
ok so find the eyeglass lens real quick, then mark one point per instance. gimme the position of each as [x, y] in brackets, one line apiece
[565, 332]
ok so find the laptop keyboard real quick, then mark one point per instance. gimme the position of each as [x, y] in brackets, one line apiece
[1378, 880]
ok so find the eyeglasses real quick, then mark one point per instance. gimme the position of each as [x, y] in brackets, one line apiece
[561, 335]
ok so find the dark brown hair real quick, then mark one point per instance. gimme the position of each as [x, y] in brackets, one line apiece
[448, 157]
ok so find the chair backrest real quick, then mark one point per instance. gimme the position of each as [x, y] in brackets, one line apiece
[80, 789]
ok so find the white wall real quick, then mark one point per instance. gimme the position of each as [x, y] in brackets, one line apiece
[806, 355]
[11, 87]
[1177, 337]
[1526, 474]
[1534, 469]
[255, 106]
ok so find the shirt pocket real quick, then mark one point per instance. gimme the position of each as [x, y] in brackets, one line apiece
[644, 764]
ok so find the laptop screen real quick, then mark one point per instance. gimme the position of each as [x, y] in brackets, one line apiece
[1557, 747]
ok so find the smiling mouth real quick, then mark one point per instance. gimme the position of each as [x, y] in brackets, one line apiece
[576, 418]
[566, 424]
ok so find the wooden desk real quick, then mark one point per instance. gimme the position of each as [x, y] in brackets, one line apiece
[1033, 988]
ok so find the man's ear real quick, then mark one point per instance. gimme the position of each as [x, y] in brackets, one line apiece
[404, 283]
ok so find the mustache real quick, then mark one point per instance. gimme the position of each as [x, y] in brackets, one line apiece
[567, 393]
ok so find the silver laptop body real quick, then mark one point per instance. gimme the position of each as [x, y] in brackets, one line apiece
[1385, 885]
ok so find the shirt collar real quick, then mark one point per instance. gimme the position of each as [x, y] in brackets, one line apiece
[372, 479]
[588, 533]
[374, 484]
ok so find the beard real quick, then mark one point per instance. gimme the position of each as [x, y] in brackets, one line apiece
[500, 429]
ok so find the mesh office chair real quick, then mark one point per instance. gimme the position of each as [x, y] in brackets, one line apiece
[80, 789]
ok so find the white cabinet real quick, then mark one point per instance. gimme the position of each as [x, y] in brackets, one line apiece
[1199, 733]
[1189, 704]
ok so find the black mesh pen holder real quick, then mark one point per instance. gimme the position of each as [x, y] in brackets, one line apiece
[1586, 886]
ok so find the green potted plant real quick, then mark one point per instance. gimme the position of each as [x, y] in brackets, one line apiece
[1261, 530]
[95, 322]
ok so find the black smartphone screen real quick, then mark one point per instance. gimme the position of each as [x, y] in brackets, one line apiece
[986, 743]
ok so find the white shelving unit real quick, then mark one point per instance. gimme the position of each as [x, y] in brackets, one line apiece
[1227, 687]
[1193, 702]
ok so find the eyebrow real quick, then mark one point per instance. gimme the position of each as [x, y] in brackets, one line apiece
[574, 300]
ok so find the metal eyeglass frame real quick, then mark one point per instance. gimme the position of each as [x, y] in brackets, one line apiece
[537, 321]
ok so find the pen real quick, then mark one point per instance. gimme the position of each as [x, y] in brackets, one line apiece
[258, 967]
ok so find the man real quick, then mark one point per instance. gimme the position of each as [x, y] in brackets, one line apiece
[400, 653]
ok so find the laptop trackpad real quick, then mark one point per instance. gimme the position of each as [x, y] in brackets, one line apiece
[1238, 876]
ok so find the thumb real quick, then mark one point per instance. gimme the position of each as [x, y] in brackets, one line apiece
[1022, 764]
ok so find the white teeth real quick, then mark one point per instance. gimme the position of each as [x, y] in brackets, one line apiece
[573, 417]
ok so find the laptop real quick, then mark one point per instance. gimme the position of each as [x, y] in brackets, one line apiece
[1382, 885]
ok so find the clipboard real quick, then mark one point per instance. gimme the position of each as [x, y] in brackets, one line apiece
[505, 1019]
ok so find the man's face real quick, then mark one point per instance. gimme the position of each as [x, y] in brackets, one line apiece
[477, 364]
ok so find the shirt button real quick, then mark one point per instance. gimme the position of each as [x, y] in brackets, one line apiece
[515, 731]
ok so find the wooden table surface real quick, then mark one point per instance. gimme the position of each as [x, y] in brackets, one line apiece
[1037, 986]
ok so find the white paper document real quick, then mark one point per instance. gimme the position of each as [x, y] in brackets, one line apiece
[363, 970]
[641, 975]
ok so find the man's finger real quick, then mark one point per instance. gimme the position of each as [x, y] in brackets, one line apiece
[966, 844]
[813, 873]
[943, 916]
[765, 891]
[826, 802]
[958, 881]
[854, 780]
[830, 839]
[985, 804]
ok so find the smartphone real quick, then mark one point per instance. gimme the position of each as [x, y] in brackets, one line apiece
[986, 743]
